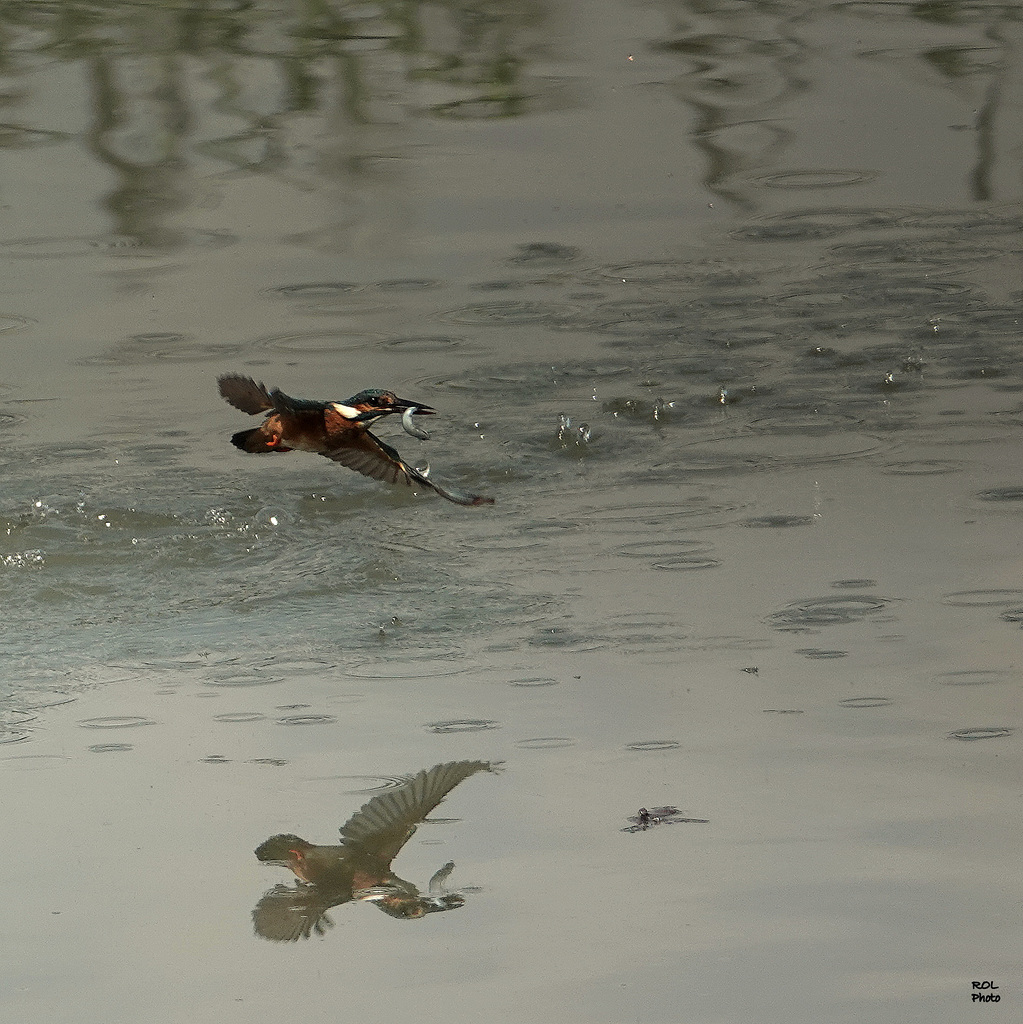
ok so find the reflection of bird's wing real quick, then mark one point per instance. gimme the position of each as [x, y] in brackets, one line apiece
[367, 454]
[245, 394]
[288, 913]
[382, 826]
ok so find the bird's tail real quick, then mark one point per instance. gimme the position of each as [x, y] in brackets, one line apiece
[258, 441]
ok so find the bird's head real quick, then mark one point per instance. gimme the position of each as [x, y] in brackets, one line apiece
[283, 850]
[370, 405]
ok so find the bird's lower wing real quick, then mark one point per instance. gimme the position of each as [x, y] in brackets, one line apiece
[289, 913]
[245, 394]
[368, 455]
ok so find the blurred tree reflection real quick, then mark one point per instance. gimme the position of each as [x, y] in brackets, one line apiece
[316, 91]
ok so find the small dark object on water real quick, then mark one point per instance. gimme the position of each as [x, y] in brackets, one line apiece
[752, 670]
[659, 816]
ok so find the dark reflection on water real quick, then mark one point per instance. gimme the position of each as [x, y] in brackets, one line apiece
[359, 868]
[274, 67]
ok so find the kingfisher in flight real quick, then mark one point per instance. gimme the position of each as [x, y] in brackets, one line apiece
[339, 431]
[360, 867]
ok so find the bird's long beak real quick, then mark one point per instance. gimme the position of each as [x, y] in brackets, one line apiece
[400, 406]
[421, 410]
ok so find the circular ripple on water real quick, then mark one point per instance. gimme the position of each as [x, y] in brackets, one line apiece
[806, 225]
[923, 467]
[865, 702]
[889, 262]
[240, 716]
[430, 344]
[653, 745]
[242, 677]
[786, 446]
[728, 273]
[159, 338]
[110, 748]
[566, 640]
[686, 563]
[982, 598]
[981, 733]
[420, 668]
[546, 743]
[110, 245]
[544, 254]
[1001, 494]
[317, 342]
[116, 722]
[813, 179]
[160, 348]
[854, 584]
[407, 284]
[500, 313]
[677, 555]
[777, 522]
[974, 677]
[315, 290]
[34, 762]
[462, 725]
[826, 611]
[49, 248]
[306, 720]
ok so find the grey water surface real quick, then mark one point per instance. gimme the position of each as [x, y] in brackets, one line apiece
[721, 303]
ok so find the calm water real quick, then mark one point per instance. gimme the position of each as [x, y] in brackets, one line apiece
[721, 304]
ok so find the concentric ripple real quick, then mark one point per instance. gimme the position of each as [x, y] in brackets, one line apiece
[816, 612]
[462, 725]
[986, 732]
[974, 677]
[116, 722]
[546, 743]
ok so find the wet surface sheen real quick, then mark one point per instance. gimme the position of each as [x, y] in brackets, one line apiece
[721, 304]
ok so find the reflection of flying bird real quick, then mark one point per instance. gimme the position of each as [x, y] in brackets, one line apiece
[360, 867]
[337, 430]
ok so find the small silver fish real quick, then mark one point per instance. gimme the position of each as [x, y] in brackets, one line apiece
[412, 428]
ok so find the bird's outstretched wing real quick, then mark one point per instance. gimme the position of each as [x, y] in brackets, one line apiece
[245, 394]
[367, 454]
[382, 826]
